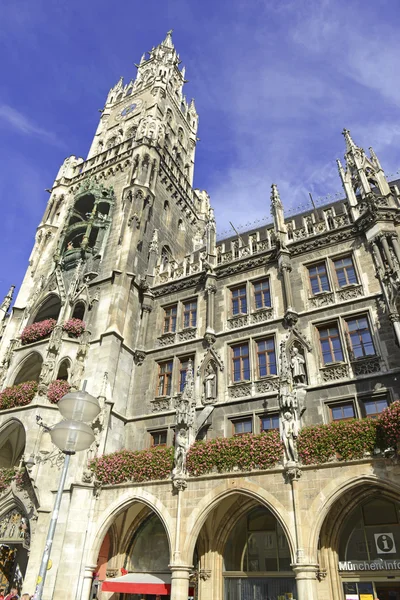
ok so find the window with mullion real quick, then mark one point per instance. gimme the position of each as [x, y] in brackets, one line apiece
[242, 426]
[319, 278]
[190, 314]
[342, 412]
[183, 370]
[360, 337]
[345, 271]
[239, 301]
[164, 378]
[269, 422]
[262, 294]
[331, 346]
[241, 362]
[159, 438]
[373, 408]
[170, 319]
[266, 358]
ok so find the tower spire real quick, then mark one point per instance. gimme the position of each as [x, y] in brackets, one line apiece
[5, 305]
[350, 145]
[168, 40]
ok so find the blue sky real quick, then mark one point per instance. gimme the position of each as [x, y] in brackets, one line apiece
[274, 82]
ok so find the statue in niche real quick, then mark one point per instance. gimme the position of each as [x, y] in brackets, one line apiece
[46, 374]
[77, 371]
[210, 383]
[297, 364]
[181, 447]
[289, 435]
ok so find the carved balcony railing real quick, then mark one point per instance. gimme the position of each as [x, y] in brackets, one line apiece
[267, 385]
[335, 372]
[240, 390]
[350, 292]
[366, 365]
[161, 403]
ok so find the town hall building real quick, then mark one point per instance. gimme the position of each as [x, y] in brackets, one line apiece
[246, 447]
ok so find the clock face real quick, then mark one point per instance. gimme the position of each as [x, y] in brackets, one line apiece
[128, 110]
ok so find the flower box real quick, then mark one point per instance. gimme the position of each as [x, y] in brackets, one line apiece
[74, 327]
[18, 395]
[57, 389]
[37, 331]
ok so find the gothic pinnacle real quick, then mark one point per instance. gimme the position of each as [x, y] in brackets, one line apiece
[350, 145]
[275, 198]
[168, 40]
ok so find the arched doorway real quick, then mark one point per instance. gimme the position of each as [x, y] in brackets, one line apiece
[30, 369]
[49, 309]
[360, 545]
[134, 557]
[12, 444]
[243, 553]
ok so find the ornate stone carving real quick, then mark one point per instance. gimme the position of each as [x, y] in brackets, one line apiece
[264, 314]
[290, 432]
[292, 472]
[139, 356]
[166, 339]
[349, 293]
[335, 372]
[322, 299]
[365, 366]
[160, 404]
[240, 321]
[240, 390]
[205, 574]
[267, 385]
[187, 334]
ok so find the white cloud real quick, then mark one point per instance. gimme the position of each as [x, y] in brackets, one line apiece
[19, 122]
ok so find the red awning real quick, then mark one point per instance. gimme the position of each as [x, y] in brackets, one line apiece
[139, 583]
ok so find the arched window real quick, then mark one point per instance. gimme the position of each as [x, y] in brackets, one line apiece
[63, 369]
[50, 309]
[169, 116]
[180, 135]
[12, 444]
[256, 546]
[149, 552]
[165, 258]
[129, 91]
[181, 225]
[29, 369]
[119, 97]
[79, 311]
[371, 531]
[131, 133]
[166, 205]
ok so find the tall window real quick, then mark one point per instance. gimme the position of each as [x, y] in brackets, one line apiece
[342, 412]
[269, 422]
[331, 346]
[164, 378]
[240, 362]
[319, 278]
[170, 319]
[345, 271]
[183, 370]
[190, 314]
[239, 301]
[262, 294]
[266, 359]
[360, 337]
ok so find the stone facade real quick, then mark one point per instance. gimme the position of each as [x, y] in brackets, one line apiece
[293, 324]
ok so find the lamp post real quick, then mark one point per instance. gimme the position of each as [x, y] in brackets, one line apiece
[71, 435]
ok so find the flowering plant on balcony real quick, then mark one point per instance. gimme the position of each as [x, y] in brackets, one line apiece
[125, 465]
[388, 427]
[8, 475]
[57, 389]
[18, 395]
[74, 327]
[37, 331]
[243, 452]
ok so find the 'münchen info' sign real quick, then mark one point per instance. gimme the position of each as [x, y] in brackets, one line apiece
[365, 565]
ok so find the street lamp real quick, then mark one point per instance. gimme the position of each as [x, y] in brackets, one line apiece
[70, 435]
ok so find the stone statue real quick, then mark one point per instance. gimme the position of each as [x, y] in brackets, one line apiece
[289, 435]
[23, 527]
[297, 365]
[46, 374]
[4, 525]
[181, 447]
[77, 372]
[210, 383]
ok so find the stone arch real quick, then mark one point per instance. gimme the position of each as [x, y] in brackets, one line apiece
[230, 487]
[123, 502]
[49, 308]
[79, 309]
[346, 496]
[64, 368]
[12, 443]
[29, 369]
